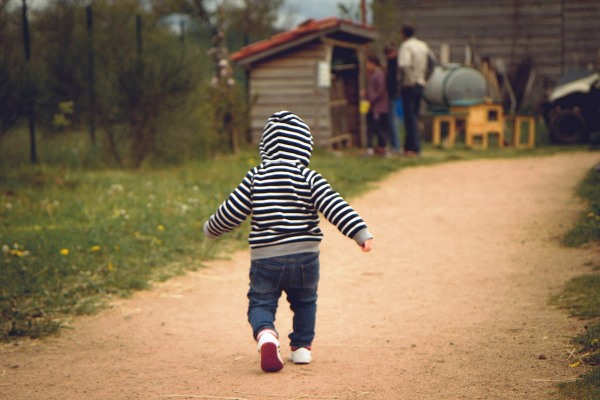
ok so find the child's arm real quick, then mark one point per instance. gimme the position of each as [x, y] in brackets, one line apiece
[232, 212]
[337, 211]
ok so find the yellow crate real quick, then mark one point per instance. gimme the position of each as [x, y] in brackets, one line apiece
[438, 120]
[481, 121]
[518, 121]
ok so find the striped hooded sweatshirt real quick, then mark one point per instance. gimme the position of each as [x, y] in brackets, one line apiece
[283, 197]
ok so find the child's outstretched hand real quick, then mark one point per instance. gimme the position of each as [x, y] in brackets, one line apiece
[367, 246]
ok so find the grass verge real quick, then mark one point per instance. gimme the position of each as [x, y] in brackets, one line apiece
[588, 227]
[71, 238]
[581, 297]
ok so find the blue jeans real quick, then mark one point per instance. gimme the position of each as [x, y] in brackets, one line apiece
[411, 102]
[298, 276]
[394, 126]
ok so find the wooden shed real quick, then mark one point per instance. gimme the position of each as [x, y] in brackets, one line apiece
[316, 71]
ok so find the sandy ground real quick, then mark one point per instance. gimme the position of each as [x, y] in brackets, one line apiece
[451, 304]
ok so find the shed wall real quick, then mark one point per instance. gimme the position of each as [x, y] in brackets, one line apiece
[289, 82]
[558, 35]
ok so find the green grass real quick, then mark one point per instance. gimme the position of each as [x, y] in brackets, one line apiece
[587, 228]
[586, 388]
[581, 295]
[69, 239]
[74, 232]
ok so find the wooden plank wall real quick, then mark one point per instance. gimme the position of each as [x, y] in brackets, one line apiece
[557, 34]
[289, 82]
[582, 34]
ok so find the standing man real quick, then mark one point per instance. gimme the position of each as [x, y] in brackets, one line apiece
[412, 61]
[392, 88]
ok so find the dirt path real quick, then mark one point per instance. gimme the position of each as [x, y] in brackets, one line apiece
[451, 304]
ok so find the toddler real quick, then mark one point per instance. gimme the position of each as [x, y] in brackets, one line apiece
[283, 197]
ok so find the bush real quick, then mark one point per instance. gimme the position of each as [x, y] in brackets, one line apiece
[587, 228]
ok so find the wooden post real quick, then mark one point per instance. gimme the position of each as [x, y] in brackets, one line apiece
[363, 11]
[362, 60]
[91, 73]
[30, 92]
[138, 33]
[362, 83]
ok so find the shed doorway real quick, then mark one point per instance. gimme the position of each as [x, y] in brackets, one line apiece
[344, 97]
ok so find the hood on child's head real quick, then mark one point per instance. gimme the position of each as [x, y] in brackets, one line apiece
[286, 137]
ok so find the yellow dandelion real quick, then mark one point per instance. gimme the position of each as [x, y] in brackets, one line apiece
[17, 252]
[64, 252]
[110, 266]
[161, 228]
[95, 248]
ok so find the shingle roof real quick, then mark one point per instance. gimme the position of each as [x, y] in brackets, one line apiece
[312, 29]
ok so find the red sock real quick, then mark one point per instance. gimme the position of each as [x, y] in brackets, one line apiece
[294, 348]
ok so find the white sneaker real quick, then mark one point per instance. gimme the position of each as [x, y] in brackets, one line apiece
[268, 347]
[301, 355]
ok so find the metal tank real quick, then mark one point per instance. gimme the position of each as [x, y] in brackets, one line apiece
[454, 84]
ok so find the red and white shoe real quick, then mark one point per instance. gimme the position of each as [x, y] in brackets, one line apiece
[268, 347]
[301, 355]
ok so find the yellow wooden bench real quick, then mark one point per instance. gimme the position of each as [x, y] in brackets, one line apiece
[345, 139]
[517, 125]
[437, 121]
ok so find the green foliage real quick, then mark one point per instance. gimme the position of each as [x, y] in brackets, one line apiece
[253, 17]
[581, 296]
[61, 118]
[13, 75]
[12, 93]
[586, 388]
[149, 88]
[590, 340]
[385, 17]
[71, 239]
[125, 73]
[57, 67]
[350, 11]
[587, 228]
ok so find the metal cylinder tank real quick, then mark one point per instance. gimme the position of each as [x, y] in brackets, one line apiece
[453, 84]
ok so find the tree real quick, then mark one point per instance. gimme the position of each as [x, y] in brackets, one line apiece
[196, 9]
[140, 82]
[385, 18]
[150, 87]
[349, 11]
[250, 20]
[254, 18]
[12, 71]
[61, 59]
